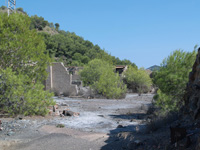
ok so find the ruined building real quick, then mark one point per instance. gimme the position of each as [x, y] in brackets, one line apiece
[66, 81]
[121, 68]
[61, 81]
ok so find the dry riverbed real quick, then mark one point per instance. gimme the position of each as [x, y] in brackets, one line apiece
[96, 127]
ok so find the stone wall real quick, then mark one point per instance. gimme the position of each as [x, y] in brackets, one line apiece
[60, 81]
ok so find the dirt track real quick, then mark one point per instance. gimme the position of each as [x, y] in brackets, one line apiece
[98, 122]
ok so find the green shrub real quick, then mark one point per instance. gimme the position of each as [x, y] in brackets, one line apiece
[20, 9]
[3, 7]
[60, 125]
[38, 23]
[166, 102]
[22, 49]
[18, 95]
[137, 79]
[23, 64]
[172, 78]
[110, 85]
[93, 71]
[100, 76]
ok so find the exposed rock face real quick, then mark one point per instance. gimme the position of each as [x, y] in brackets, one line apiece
[192, 96]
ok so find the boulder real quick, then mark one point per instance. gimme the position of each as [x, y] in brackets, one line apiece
[70, 113]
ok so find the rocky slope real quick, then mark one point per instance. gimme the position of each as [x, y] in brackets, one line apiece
[192, 96]
[191, 109]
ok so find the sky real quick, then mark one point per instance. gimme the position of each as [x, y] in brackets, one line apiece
[143, 31]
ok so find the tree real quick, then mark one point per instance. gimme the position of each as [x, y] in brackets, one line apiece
[126, 62]
[100, 76]
[18, 97]
[21, 10]
[57, 25]
[92, 72]
[38, 23]
[68, 44]
[137, 79]
[110, 85]
[172, 78]
[22, 49]
[3, 7]
[23, 64]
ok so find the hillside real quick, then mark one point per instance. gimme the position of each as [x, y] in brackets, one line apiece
[154, 68]
[66, 46]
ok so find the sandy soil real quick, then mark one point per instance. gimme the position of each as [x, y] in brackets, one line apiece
[101, 125]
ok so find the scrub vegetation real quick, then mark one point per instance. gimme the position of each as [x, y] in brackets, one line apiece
[172, 79]
[100, 76]
[23, 64]
[138, 80]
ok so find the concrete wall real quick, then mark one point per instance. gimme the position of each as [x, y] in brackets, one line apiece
[59, 80]
[48, 80]
[75, 77]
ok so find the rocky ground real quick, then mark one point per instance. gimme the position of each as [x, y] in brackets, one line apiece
[92, 124]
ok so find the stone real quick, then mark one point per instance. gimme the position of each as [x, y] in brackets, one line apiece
[76, 114]
[50, 112]
[67, 113]
[101, 116]
[61, 115]
[10, 133]
[55, 107]
[137, 142]
[120, 126]
[64, 104]
[70, 113]
[20, 117]
[57, 112]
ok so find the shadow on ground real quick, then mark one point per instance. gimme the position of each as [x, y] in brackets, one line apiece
[136, 137]
[137, 116]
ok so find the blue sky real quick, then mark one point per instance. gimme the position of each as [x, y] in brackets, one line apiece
[143, 31]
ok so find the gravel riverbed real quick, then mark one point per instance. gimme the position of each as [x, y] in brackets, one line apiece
[101, 116]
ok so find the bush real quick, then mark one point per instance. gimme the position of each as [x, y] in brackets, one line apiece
[23, 64]
[110, 85]
[137, 79]
[100, 76]
[20, 10]
[165, 102]
[18, 95]
[38, 23]
[93, 71]
[172, 78]
[60, 125]
[22, 49]
[3, 7]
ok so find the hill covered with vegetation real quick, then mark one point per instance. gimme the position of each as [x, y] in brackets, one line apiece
[154, 68]
[68, 47]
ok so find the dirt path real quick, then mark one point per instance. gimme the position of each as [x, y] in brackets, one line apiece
[99, 120]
